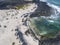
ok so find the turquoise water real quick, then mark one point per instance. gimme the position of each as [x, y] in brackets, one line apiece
[55, 2]
[48, 27]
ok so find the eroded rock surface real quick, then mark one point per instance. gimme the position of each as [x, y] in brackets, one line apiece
[43, 10]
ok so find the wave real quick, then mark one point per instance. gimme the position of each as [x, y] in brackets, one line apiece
[43, 0]
[57, 11]
[54, 6]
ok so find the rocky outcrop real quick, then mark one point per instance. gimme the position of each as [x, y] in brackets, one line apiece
[42, 10]
[6, 4]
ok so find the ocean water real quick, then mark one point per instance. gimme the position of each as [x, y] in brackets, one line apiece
[55, 2]
[48, 26]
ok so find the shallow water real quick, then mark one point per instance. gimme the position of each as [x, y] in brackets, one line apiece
[55, 2]
[48, 26]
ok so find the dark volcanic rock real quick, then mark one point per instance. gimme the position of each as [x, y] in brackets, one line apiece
[6, 4]
[42, 10]
[10, 4]
[53, 41]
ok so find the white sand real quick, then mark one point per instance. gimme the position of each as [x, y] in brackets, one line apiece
[7, 36]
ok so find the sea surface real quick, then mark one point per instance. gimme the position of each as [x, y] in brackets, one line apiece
[49, 26]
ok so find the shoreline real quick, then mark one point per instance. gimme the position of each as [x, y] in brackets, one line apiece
[13, 21]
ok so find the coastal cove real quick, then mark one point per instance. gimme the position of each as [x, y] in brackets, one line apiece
[29, 22]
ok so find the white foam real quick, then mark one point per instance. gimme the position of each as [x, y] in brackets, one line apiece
[54, 6]
[43, 0]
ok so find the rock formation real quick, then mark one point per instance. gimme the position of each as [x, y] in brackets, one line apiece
[42, 10]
